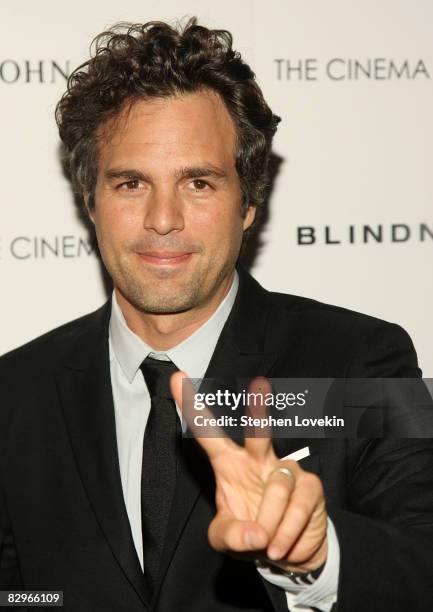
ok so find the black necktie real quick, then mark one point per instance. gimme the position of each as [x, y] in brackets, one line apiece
[160, 457]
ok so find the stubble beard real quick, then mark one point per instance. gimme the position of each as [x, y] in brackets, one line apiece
[162, 295]
[159, 290]
[159, 296]
[164, 291]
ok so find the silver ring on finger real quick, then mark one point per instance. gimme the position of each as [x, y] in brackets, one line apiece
[282, 470]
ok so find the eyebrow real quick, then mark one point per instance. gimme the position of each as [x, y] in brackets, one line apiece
[186, 172]
[198, 171]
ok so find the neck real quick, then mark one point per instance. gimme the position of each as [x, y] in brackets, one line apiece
[164, 331]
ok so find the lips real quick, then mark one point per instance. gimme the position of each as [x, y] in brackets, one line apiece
[164, 258]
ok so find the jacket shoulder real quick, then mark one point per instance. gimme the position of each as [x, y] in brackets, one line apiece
[320, 313]
[341, 335]
[52, 343]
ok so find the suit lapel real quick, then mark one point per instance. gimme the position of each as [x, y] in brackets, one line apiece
[86, 395]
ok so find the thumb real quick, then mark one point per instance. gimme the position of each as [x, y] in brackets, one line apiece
[228, 534]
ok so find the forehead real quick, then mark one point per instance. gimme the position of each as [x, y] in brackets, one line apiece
[179, 127]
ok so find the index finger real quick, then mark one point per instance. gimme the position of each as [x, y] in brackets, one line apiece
[208, 434]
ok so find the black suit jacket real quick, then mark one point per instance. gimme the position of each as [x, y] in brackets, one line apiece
[63, 522]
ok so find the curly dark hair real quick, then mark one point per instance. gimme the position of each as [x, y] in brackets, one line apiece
[132, 62]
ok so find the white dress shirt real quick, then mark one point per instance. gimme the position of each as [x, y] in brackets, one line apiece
[132, 406]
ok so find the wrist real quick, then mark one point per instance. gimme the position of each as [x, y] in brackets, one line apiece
[296, 577]
[310, 567]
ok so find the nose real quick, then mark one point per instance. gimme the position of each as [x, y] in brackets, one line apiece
[163, 213]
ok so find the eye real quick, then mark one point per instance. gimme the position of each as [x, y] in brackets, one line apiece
[130, 185]
[200, 185]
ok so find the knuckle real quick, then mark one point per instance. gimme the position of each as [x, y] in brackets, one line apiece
[300, 510]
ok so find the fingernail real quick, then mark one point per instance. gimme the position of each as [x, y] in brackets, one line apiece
[253, 540]
[275, 553]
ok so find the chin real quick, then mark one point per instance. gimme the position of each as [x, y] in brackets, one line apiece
[149, 300]
[163, 307]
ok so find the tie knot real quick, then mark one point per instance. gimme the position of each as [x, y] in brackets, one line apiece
[157, 374]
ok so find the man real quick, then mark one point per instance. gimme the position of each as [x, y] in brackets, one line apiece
[168, 137]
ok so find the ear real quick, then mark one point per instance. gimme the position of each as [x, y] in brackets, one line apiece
[249, 217]
[90, 211]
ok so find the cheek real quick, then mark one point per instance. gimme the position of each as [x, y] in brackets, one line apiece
[114, 224]
[216, 222]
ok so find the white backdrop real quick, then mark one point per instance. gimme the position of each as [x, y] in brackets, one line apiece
[352, 82]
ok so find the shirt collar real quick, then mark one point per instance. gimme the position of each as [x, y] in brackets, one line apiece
[191, 356]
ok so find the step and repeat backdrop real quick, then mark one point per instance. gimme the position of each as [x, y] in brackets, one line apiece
[350, 217]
